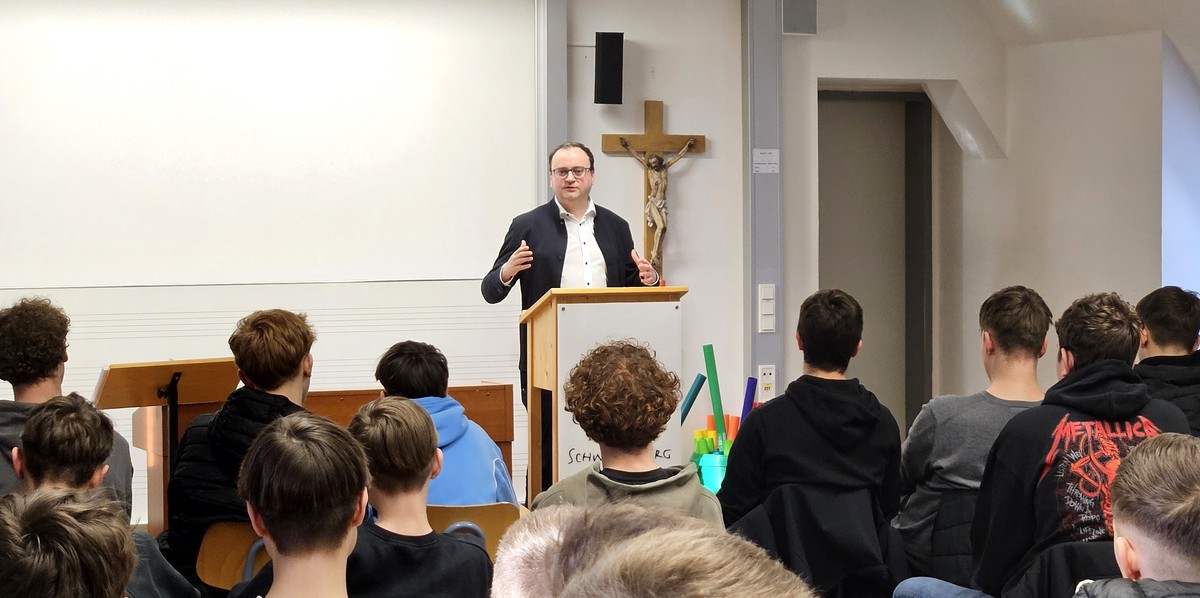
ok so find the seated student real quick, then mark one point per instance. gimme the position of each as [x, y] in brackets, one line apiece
[1048, 475]
[825, 430]
[33, 356]
[1169, 363]
[305, 481]
[64, 445]
[57, 542]
[1155, 507]
[949, 441]
[625, 550]
[623, 399]
[399, 554]
[474, 471]
[272, 351]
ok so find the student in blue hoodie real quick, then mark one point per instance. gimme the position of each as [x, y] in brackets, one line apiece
[473, 470]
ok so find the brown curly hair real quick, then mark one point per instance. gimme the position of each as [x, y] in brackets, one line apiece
[621, 395]
[33, 340]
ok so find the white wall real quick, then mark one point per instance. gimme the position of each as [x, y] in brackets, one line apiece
[1180, 171]
[687, 54]
[1073, 209]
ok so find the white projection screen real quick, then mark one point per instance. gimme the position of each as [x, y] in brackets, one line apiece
[219, 142]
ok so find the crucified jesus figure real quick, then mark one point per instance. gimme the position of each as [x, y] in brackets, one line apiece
[656, 197]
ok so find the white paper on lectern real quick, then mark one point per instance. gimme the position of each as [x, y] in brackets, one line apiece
[582, 326]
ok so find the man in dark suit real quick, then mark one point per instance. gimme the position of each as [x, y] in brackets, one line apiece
[577, 244]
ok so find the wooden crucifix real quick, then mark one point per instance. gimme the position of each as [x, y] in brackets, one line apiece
[653, 145]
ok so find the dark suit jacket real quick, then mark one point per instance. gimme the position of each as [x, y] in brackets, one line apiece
[544, 231]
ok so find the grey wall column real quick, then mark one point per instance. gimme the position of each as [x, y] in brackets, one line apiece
[763, 57]
[552, 80]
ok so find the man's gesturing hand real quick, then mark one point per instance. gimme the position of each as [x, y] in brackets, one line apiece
[646, 272]
[521, 259]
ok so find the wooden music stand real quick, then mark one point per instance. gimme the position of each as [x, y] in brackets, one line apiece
[542, 346]
[159, 386]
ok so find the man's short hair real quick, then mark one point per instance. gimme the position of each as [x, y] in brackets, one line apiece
[56, 542]
[1172, 315]
[413, 370]
[569, 145]
[1157, 491]
[269, 346]
[617, 550]
[1100, 326]
[621, 396]
[400, 441]
[830, 326]
[1018, 319]
[304, 476]
[33, 340]
[65, 440]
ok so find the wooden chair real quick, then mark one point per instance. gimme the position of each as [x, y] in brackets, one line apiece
[494, 519]
[229, 554]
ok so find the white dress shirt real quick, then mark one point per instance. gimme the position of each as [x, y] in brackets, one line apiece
[583, 265]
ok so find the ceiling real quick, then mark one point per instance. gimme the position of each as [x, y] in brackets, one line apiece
[1023, 22]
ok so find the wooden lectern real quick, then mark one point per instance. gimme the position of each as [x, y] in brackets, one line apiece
[646, 314]
[157, 387]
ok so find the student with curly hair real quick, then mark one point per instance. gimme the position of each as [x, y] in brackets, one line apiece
[33, 358]
[622, 398]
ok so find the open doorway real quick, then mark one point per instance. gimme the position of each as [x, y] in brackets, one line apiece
[875, 211]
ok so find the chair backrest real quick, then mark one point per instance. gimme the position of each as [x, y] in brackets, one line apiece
[230, 554]
[1056, 570]
[494, 519]
[950, 541]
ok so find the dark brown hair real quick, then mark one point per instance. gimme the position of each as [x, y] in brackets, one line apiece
[1100, 326]
[1157, 490]
[830, 326]
[1172, 315]
[400, 441]
[269, 346]
[1018, 319]
[56, 542]
[621, 395]
[33, 340]
[304, 476]
[413, 370]
[65, 440]
[572, 144]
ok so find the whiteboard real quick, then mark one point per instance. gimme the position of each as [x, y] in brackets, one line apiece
[581, 327]
[151, 143]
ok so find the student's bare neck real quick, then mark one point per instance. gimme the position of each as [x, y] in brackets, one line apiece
[1016, 380]
[38, 392]
[634, 461]
[317, 575]
[823, 374]
[1153, 350]
[292, 389]
[402, 513]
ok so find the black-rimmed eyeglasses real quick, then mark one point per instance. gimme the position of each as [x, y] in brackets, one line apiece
[578, 171]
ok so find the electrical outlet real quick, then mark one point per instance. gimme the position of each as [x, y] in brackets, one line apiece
[766, 382]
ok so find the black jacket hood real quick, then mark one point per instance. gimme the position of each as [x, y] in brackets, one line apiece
[842, 410]
[1174, 370]
[1108, 389]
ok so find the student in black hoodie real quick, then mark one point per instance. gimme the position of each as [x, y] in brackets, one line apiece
[825, 429]
[1169, 363]
[1048, 475]
[272, 351]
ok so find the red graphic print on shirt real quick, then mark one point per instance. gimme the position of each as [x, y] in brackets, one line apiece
[1083, 459]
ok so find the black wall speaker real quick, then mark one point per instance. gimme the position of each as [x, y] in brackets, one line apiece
[610, 55]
